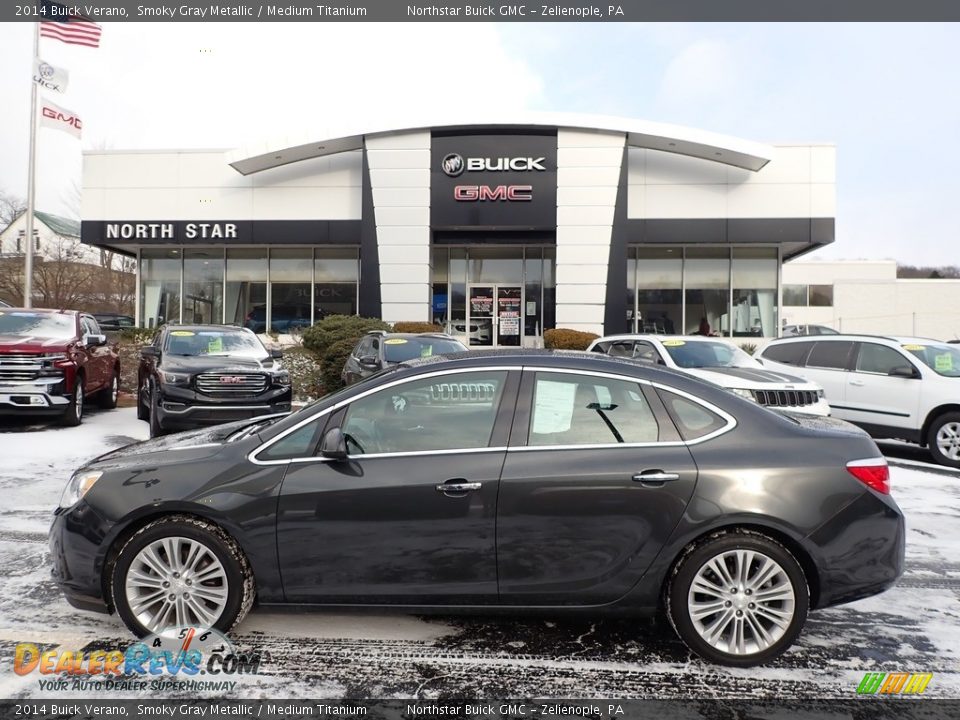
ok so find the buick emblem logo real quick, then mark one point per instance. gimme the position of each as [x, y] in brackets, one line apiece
[452, 165]
[46, 71]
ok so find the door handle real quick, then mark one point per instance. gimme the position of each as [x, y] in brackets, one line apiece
[655, 478]
[858, 383]
[458, 485]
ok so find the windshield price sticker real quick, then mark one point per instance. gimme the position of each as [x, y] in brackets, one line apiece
[395, 341]
[914, 348]
[673, 343]
[215, 345]
[182, 333]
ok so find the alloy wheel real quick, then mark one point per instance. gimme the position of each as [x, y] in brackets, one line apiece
[948, 440]
[176, 581]
[741, 602]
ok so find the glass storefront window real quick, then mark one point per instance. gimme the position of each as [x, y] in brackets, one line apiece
[659, 308]
[754, 309]
[336, 278]
[203, 285]
[159, 286]
[794, 295]
[291, 303]
[533, 292]
[440, 278]
[707, 277]
[549, 289]
[246, 291]
[495, 265]
[458, 294]
[821, 296]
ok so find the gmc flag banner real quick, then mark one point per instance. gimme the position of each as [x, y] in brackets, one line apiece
[58, 118]
[66, 24]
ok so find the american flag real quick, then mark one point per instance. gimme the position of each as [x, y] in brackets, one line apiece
[63, 23]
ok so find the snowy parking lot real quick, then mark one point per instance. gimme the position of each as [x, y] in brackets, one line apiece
[915, 627]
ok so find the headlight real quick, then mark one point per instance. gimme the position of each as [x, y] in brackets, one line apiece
[77, 487]
[174, 378]
[743, 392]
[282, 378]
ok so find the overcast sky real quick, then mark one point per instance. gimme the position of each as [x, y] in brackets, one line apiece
[886, 94]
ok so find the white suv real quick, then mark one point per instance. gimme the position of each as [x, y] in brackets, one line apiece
[892, 387]
[722, 363]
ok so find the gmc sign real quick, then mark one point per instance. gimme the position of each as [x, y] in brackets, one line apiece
[474, 193]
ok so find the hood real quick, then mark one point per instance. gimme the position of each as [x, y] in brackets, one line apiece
[216, 363]
[32, 344]
[751, 378]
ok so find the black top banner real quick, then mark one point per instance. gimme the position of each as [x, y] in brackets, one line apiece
[457, 11]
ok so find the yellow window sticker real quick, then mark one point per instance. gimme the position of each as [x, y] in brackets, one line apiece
[182, 333]
[215, 345]
[674, 343]
[913, 348]
[943, 363]
[395, 341]
[426, 351]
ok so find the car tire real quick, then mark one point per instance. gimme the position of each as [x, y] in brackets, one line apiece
[143, 413]
[725, 576]
[156, 429]
[143, 571]
[943, 439]
[107, 398]
[74, 414]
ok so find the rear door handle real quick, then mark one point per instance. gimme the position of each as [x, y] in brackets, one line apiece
[458, 486]
[858, 383]
[655, 478]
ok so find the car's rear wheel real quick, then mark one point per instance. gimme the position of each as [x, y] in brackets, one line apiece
[181, 571]
[738, 599]
[74, 414]
[107, 398]
[943, 439]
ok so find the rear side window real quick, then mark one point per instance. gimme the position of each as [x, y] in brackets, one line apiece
[692, 419]
[830, 355]
[792, 353]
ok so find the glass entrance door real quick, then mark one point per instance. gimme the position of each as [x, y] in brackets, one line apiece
[494, 315]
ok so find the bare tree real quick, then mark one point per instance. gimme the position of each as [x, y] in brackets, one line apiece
[11, 207]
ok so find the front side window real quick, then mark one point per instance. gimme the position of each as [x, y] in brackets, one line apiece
[447, 412]
[880, 359]
[571, 409]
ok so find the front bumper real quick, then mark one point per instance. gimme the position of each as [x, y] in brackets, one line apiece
[43, 397]
[861, 549]
[182, 408]
[75, 558]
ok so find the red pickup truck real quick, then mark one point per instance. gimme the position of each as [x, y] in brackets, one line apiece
[52, 362]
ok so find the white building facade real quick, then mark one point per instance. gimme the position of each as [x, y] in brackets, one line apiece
[865, 296]
[494, 231]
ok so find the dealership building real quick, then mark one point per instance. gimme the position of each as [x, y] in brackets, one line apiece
[495, 231]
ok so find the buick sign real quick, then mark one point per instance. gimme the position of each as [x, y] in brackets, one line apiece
[452, 164]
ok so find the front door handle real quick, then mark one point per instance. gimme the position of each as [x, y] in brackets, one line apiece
[858, 383]
[655, 478]
[458, 486]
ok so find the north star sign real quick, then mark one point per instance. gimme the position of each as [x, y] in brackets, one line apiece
[167, 231]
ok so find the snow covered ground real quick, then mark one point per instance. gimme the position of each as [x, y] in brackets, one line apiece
[914, 627]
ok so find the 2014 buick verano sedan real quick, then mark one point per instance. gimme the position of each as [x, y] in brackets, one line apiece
[518, 479]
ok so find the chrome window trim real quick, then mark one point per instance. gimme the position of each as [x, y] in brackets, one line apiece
[252, 455]
[731, 422]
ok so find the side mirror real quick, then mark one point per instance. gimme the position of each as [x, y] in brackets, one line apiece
[334, 444]
[903, 371]
[92, 340]
[369, 361]
[276, 354]
[149, 351]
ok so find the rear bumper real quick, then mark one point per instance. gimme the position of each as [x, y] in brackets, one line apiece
[861, 549]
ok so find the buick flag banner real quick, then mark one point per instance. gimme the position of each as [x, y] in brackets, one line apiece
[50, 77]
[58, 118]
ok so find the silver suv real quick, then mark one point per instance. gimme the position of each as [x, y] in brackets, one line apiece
[893, 387]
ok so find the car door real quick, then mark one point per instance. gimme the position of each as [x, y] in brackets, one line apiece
[595, 480]
[828, 364]
[410, 515]
[875, 396]
[99, 362]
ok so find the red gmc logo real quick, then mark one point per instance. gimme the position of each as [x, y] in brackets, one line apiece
[475, 193]
[231, 379]
[69, 119]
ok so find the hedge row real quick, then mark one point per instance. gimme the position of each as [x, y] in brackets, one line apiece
[564, 339]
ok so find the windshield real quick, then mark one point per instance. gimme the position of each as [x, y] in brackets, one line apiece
[705, 354]
[215, 342]
[397, 350]
[52, 326]
[942, 359]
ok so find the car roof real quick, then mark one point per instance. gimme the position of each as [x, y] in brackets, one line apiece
[853, 337]
[661, 338]
[237, 328]
[45, 310]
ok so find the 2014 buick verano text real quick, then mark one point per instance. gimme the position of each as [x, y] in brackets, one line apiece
[517, 479]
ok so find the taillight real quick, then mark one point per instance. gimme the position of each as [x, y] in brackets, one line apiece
[872, 472]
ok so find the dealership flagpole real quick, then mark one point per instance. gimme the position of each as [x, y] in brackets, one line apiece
[31, 177]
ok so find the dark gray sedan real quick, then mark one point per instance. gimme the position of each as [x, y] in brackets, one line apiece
[507, 479]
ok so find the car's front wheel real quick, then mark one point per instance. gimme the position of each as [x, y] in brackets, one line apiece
[181, 571]
[738, 599]
[943, 439]
[156, 428]
[74, 413]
